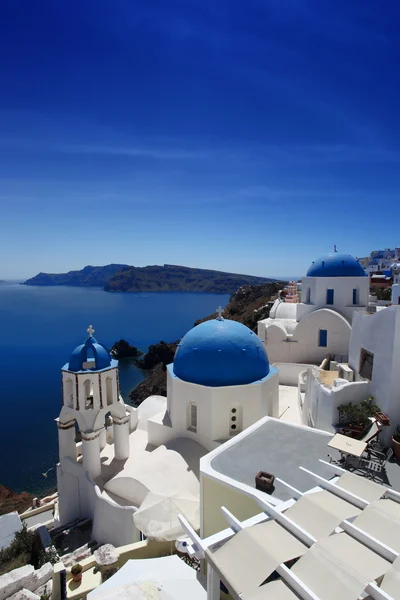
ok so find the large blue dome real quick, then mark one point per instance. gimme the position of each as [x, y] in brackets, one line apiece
[220, 353]
[336, 265]
[90, 353]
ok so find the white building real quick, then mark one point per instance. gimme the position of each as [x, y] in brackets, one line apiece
[335, 287]
[373, 369]
[219, 384]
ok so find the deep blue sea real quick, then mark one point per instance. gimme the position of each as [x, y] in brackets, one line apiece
[39, 328]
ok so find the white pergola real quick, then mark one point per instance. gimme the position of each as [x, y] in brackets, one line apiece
[339, 540]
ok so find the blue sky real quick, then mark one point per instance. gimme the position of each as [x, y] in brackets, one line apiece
[242, 136]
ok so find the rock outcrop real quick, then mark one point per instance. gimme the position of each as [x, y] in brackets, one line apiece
[10, 501]
[123, 349]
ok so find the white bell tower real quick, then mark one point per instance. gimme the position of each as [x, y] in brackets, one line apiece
[90, 391]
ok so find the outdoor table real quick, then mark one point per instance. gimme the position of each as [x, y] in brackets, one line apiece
[347, 445]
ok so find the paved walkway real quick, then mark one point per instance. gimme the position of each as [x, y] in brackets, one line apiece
[288, 405]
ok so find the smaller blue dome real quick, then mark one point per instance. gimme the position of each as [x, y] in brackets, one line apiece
[220, 353]
[90, 351]
[336, 265]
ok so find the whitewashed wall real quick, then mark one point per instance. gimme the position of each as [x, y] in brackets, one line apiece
[303, 345]
[379, 334]
[214, 404]
[289, 372]
[343, 294]
[322, 402]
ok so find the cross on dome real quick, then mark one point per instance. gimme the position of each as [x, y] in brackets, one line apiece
[334, 248]
[220, 310]
[90, 331]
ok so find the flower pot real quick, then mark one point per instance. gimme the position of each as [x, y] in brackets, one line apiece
[396, 449]
[382, 418]
[77, 577]
[265, 481]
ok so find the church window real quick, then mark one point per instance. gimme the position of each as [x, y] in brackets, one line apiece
[69, 393]
[88, 394]
[109, 391]
[323, 338]
[192, 417]
[330, 294]
[308, 295]
[366, 363]
[355, 296]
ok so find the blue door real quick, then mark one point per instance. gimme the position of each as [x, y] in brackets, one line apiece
[323, 338]
[329, 296]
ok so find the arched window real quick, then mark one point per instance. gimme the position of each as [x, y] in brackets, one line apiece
[88, 394]
[109, 391]
[69, 393]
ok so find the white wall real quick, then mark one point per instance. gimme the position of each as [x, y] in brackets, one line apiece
[112, 523]
[343, 294]
[379, 334]
[289, 372]
[396, 294]
[303, 345]
[214, 404]
[322, 402]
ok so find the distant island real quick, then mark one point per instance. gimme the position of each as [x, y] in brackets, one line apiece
[154, 278]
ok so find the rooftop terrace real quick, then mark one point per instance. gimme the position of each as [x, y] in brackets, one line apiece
[281, 448]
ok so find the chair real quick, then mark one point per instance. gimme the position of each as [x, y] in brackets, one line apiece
[376, 466]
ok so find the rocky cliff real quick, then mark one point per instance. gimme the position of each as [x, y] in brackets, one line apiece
[10, 501]
[248, 305]
[87, 277]
[154, 278]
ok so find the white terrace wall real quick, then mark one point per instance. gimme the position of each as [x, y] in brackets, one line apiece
[320, 408]
[289, 372]
[112, 523]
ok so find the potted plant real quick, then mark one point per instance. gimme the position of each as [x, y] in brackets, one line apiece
[76, 572]
[396, 443]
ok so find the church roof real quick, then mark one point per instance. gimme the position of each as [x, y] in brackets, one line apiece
[89, 356]
[336, 264]
[220, 353]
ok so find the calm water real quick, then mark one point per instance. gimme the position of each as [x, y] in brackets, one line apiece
[39, 328]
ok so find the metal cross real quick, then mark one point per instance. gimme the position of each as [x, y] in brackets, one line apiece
[220, 310]
[334, 248]
[90, 331]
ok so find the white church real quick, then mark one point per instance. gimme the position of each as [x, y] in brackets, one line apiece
[132, 468]
[335, 287]
[220, 383]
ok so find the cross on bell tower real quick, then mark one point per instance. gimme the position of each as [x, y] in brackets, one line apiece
[90, 331]
[220, 310]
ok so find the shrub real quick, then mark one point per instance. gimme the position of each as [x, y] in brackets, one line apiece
[19, 552]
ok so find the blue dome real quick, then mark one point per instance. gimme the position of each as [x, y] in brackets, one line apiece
[220, 353]
[91, 351]
[336, 265]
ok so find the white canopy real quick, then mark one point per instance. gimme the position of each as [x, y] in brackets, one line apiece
[166, 578]
[157, 517]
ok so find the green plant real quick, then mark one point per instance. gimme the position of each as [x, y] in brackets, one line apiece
[19, 552]
[358, 414]
[76, 569]
[46, 595]
[396, 435]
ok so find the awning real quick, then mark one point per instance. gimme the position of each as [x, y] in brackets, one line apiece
[381, 520]
[249, 558]
[361, 487]
[320, 513]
